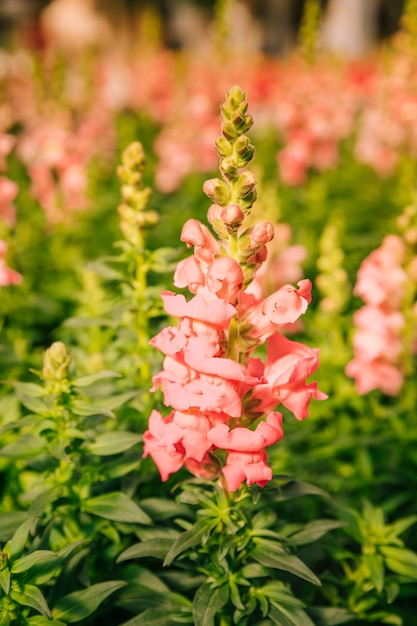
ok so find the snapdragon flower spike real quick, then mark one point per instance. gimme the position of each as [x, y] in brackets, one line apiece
[134, 215]
[223, 400]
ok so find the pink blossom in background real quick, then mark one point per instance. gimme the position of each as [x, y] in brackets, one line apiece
[8, 192]
[8, 276]
[378, 343]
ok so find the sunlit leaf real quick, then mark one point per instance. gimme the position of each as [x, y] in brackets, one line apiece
[401, 561]
[34, 558]
[5, 580]
[29, 595]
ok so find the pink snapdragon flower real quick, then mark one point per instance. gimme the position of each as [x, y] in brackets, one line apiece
[378, 342]
[224, 399]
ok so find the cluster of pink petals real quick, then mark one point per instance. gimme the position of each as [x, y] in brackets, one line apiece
[211, 393]
[378, 343]
[8, 276]
[57, 156]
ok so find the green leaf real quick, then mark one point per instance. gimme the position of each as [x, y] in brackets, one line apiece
[29, 389]
[375, 565]
[157, 548]
[151, 617]
[207, 603]
[327, 616]
[5, 580]
[33, 403]
[86, 409]
[401, 561]
[9, 522]
[113, 402]
[86, 381]
[314, 530]
[189, 538]
[26, 447]
[34, 558]
[399, 526]
[288, 617]
[162, 508]
[39, 620]
[296, 489]
[118, 507]
[78, 605]
[286, 562]
[110, 443]
[19, 539]
[29, 595]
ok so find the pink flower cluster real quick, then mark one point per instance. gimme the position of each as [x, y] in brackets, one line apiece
[378, 341]
[216, 387]
[8, 192]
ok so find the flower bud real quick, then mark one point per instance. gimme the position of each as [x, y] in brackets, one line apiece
[232, 215]
[229, 130]
[228, 168]
[56, 362]
[235, 96]
[244, 149]
[223, 146]
[245, 184]
[217, 190]
[262, 232]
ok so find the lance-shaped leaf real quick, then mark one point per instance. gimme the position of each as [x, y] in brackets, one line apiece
[26, 447]
[86, 381]
[286, 562]
[191, 537]
[36, 558]
[151, 617]
[40, 620]
[110, 443]
[282, 616]
[401, 561]
[79, 605]
[118, 507]
[157, 548]
[328, 616]
[5, 580]
[9, 522]
[314, 530]
[29, 595]
[207, 603]
[375, 565]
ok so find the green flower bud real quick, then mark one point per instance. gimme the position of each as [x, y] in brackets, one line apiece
[217, 190]
[235, 96]
[223, 146]
[56, 362]
[228, 168]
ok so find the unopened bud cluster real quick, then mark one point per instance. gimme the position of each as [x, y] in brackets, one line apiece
[134, 217]
[234, 193]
